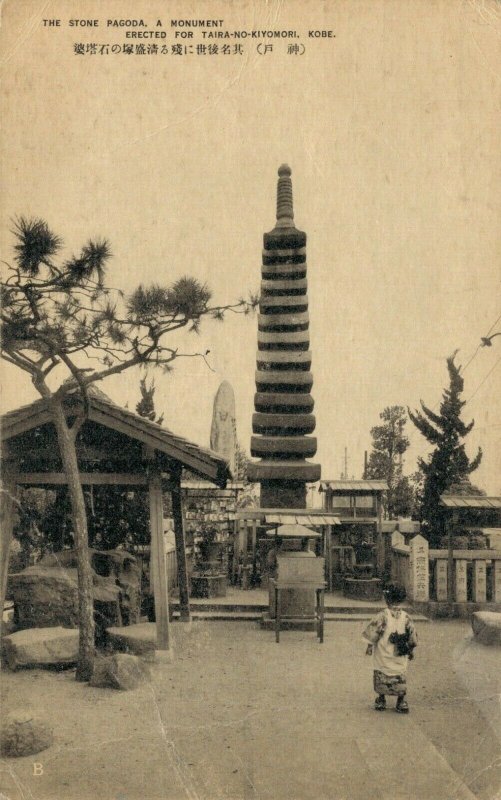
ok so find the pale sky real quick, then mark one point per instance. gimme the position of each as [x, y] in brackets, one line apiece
[392, 132]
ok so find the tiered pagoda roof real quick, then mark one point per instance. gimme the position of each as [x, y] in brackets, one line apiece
[283, 402]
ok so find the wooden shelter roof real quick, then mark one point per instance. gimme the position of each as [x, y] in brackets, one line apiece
[103, 411]
[354, 486]
[469, 501]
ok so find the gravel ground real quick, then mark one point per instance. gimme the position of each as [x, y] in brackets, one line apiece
[235, 716]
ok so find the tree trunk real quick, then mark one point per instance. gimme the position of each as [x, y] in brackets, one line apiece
[68, 454]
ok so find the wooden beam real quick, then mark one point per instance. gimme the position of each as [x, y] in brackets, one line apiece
[34, 420]
[157, 562]
[182, 569]
[84, 453]
[87, 478]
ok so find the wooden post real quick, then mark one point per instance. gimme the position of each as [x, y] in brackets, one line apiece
[328, 555]
[380, 554]
[254, 545]
[157, 562]
[245, 545]
[397, 540]
[496, 581]
[182, 569]
[451, 523]
[7, 500]
[234, 565]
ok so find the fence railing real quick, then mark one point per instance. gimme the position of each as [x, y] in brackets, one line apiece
[476, 574]
[171, 567]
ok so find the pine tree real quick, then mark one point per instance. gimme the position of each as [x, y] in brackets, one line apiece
[448, 464]
[61, 315]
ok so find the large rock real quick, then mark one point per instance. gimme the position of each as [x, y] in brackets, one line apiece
[24, 734]
[119, 671]
[40, 646]
[487, 627]
[140, 640]
[45, 596]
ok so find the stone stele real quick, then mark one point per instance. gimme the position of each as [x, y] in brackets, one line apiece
[223, 430]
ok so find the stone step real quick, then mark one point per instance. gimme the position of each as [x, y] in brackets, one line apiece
[332, 612]
[257, 615]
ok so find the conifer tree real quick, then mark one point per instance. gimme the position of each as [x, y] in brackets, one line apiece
[389, 444]
[448, 464]
[146, 405]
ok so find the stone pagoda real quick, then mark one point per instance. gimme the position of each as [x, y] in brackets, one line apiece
[283, 403]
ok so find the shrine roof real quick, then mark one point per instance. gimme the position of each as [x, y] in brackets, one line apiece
[103, 411]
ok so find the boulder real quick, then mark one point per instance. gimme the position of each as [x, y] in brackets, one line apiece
[45, 596]
[40, 646]
[119, 671]
[24, 734]
[140, 639]
[487, 627]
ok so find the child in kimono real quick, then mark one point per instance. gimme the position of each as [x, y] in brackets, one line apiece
[392, 639]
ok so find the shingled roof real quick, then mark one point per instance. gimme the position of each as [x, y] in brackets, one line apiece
[103, 411]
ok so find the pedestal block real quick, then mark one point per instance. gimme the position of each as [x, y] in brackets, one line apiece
[283, 494]
[295, 603]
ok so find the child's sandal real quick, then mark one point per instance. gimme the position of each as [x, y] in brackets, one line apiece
[380, 703]
[402, 706]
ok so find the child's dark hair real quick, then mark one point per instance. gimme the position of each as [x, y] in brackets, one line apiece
[394, 593]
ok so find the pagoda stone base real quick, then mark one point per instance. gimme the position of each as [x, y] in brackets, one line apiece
[283, 494]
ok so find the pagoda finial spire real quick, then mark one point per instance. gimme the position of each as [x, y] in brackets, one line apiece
[285, 210]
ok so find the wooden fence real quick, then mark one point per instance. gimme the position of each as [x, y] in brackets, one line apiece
[171, 568]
